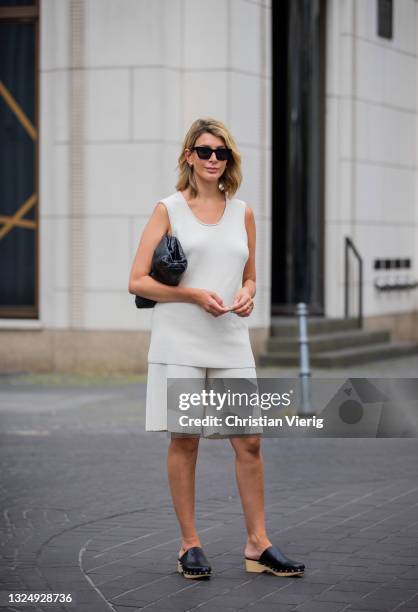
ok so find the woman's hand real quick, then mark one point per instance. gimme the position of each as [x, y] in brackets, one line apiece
[243, 303]
[210, 301]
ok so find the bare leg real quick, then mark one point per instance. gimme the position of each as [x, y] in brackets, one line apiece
[181, 469]
[249, 471]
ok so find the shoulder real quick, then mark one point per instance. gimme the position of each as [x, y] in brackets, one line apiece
[167, 203]
[249, 215]
[249, 220]
[248, 212]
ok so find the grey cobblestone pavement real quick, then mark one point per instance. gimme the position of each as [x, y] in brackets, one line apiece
[86, 508]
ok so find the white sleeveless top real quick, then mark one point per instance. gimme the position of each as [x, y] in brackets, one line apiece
[184, 333]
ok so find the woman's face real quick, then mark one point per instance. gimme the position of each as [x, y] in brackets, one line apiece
[207, 169]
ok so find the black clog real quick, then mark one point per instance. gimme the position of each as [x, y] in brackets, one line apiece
[274, 562]
[194, 564]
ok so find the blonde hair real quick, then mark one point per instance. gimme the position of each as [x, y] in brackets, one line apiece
[231, 179]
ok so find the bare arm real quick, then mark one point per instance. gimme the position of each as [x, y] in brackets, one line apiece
[141, 283]
[243, 301]
[249, 274]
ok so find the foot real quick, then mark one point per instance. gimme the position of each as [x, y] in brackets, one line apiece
[273, 561]
[194, 563]
[185, 546]
[254, 548]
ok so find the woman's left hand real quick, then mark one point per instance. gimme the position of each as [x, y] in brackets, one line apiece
[243, 304]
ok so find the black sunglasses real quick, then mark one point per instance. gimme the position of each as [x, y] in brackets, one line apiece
[206, 152]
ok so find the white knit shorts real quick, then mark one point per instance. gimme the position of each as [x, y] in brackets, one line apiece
[156, 399]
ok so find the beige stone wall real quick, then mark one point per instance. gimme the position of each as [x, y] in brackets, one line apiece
[371, 151]
[403, 326]
[84, 351]
[121, 82]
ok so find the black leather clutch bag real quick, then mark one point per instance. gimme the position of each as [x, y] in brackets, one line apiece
[168, 265]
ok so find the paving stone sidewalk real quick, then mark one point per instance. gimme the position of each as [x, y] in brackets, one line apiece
[86, 509]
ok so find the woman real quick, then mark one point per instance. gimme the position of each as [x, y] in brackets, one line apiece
[199, 329]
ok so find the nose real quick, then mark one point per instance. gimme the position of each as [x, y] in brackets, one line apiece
[211, 155]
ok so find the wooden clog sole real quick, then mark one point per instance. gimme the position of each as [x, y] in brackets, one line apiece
[198, 573]
[256, 566]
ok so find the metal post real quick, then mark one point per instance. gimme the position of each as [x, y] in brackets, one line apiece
[305, 373]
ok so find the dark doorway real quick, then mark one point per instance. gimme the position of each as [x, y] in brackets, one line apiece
[298, 38]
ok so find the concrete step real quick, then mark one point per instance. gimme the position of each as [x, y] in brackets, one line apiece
[329, 341]
[288, 326]
[343, 357]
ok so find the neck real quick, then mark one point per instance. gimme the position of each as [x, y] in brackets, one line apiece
[207, 190]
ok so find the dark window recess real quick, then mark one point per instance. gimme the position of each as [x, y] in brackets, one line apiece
[16, 2]
[18, 169]
[390, 264]
[385, 18]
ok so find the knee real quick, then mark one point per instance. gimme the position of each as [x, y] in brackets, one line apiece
[248, 448]
[185, 446]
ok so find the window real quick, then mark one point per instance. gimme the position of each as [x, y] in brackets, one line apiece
[18, 159]
[385, 18]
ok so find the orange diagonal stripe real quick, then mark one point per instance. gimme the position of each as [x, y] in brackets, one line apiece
[11, 221]
[20, 222]
[14, 106]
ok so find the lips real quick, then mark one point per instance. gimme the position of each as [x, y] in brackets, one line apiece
[212, 169]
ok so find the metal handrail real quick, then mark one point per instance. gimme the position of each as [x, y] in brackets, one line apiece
[350, 245]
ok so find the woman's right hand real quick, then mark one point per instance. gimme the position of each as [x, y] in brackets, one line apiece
[210, 301]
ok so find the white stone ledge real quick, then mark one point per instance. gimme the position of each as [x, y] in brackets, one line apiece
[21, 324]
